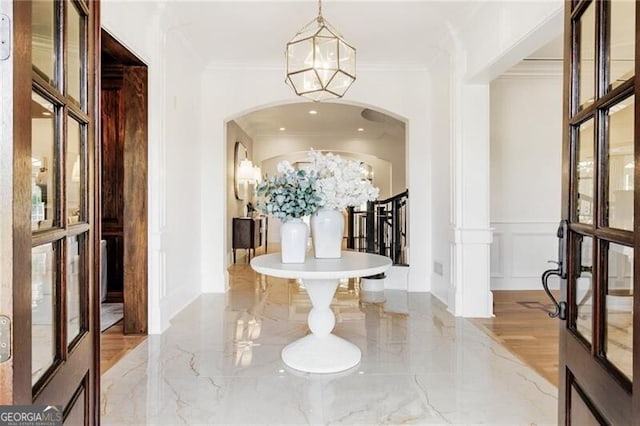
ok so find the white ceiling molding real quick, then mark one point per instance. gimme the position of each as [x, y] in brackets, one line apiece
[535, 68]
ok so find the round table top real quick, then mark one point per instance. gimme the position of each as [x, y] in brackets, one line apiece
[352, 264]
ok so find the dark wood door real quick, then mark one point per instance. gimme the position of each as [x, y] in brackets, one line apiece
[599, 362]
[48, 274]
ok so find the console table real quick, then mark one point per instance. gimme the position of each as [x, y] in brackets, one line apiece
[248, 233]
[321, 351]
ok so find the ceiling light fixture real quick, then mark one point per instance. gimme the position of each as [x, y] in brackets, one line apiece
[313, 112]
[360, 129]
[320, 63]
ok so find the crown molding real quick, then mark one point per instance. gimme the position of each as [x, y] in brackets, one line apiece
[535, 68]
[279, 66]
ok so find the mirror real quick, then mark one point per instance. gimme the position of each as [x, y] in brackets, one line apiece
[240, 153]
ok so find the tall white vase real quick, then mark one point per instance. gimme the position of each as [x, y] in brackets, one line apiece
[327, 229]
[294, 234]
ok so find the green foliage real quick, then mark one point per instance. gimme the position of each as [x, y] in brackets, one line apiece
[290, 194]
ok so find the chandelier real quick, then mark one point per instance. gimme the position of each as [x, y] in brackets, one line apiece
[320, 63]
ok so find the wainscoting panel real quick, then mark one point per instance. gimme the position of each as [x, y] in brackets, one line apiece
[520, 253]
[497, 255]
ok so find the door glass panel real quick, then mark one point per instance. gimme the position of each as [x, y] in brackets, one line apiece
[75, 175]
[621, 164]
[619, 308]
[75, 274]
[621, 42]
[43, 163]
[43, 47]
[585, 172]
[586, 60]
[584, 289]
[43, 326]
[75, 47]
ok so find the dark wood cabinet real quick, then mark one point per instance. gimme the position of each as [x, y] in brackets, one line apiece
[249, 233]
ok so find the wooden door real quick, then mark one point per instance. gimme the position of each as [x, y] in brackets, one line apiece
[48, 274]
[599, 356]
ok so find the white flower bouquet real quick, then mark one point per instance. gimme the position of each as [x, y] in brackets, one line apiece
[290, 194]
[339, 181]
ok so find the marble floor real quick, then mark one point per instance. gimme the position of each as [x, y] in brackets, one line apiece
[219, 363]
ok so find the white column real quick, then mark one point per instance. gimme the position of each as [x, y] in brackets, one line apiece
[470, 233]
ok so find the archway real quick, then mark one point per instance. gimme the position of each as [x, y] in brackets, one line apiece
[288, 131]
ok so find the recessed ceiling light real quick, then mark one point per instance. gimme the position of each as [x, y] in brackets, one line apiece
[313, 112]
[360, 129]
[282, 129]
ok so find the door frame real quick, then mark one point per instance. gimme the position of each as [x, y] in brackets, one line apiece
[133, 83]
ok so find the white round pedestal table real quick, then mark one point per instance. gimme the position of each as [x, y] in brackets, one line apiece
[321, 351]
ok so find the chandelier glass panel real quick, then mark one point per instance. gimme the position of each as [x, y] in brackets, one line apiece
[320, 63]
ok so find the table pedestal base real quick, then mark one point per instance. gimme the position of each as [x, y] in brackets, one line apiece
[326, 354]
[321, 351]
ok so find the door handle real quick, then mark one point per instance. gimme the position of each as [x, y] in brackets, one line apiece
[560, 308]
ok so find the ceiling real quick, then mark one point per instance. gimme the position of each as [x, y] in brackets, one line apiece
[341, 121]
[403, 34]
[400, 33]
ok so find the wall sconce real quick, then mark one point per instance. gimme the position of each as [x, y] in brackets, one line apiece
[246, 173]
[257, 174]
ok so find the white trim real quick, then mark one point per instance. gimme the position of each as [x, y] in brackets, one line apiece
[471, 236]
[534, 68]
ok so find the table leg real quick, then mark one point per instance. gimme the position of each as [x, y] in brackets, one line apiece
[321, 351]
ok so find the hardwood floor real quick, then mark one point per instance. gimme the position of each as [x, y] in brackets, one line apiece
[114, 345]
[522, 325]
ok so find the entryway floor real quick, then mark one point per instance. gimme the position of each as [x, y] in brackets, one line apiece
[219, 363]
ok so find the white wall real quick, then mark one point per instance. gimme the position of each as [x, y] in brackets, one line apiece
[174, 147]
[233, 92]
[526, 159]
[501, 34]
[440, 171]
[504, 32]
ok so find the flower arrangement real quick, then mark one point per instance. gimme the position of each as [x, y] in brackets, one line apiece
[339, 181]
[290, 194]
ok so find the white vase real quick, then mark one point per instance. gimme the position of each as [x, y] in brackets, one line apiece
[327, 229]
[294, 234]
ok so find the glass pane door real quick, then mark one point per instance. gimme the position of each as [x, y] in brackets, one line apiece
[597, 350]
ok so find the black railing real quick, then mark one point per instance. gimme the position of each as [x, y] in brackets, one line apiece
[381, 228]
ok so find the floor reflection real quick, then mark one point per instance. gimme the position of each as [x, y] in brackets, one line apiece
[219, 363]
